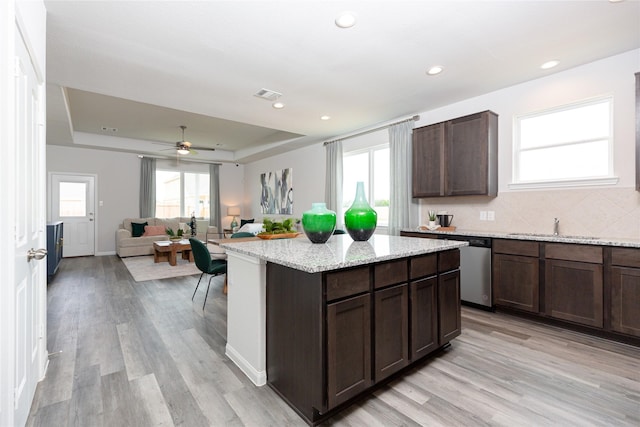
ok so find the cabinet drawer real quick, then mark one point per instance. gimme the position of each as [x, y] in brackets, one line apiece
[347, 282]
[580, 253]
[449, 260]
[390, 273]
[625, 257]
[425, 265]
[516, 247]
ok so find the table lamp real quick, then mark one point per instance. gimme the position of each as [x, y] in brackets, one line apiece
[233, 211]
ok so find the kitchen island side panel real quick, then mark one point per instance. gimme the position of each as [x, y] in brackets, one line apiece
[294, 337]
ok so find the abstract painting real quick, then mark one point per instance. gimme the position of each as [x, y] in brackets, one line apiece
[276, 195]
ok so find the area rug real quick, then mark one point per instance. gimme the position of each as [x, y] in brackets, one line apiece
[143, 268]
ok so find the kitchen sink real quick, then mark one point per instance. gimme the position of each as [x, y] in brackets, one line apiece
[559, 236]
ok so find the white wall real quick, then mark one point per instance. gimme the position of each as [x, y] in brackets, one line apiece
[118, 185]
[612, 211]
[308, 174]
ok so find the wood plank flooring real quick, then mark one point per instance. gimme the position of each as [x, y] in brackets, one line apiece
[127, 353]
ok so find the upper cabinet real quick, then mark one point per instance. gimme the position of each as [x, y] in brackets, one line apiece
[458, 157]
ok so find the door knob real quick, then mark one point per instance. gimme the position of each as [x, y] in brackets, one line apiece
[36, 253]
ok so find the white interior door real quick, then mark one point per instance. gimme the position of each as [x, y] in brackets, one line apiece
[30, 273]
[73, 202]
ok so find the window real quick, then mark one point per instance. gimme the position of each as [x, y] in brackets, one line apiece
[181, 194]
[73, 199]
[372, 167]
[568, 145]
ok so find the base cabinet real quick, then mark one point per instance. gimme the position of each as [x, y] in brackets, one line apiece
[516, 278]
[55, 232]
[332, 336]
[625, 291]
[348, 349]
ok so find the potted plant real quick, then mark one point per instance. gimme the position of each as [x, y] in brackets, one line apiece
[432, 219]
[174, 236]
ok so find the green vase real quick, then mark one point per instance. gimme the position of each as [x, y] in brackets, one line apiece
[318, 223]
[360, 219]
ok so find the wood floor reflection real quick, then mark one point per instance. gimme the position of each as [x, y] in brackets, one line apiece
[142, 354]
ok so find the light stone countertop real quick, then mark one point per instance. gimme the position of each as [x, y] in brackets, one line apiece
[540, 237]
[340, 251]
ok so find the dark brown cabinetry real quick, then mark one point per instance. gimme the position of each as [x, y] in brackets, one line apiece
[458, 157]
[516, 276]
[574, 283]
[331, 336]
[625, 291]
[54, 247]
[348, 349]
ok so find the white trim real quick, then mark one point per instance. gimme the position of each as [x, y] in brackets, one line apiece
[259, 378]
[586, 182]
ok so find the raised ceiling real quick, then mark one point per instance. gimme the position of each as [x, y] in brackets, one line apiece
[147, 67]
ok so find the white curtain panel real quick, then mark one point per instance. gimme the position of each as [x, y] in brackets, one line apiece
[333, 180]
[403, 209]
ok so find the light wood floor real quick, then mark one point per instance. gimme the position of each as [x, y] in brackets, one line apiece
[142, 354]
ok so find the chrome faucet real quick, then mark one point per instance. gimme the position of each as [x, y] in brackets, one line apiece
[556, 224]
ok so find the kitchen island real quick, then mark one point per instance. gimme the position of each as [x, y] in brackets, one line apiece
[325, 323]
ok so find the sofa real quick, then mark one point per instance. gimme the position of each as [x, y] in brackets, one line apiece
[142, 244]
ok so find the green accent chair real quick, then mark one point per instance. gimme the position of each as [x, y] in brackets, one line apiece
[242, 234]
[213, 267]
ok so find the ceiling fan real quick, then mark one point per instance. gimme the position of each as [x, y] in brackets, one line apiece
[185, 147]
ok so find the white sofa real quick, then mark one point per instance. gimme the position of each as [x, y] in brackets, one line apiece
[127, 245]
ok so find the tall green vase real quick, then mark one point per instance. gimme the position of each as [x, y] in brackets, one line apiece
[360, 219]
[318, 223]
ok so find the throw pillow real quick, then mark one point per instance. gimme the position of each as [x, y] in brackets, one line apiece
[246, 221]
[137, 229]
[154, 230]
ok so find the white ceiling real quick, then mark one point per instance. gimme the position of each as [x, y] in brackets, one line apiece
[147, 67]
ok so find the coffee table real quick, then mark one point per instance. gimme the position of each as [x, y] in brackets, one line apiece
[166, 250]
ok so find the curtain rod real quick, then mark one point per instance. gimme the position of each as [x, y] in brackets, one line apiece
[414, 118]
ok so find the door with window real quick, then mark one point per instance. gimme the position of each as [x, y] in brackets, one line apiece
[73, 203]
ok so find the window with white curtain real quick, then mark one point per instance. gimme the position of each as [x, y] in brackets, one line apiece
[370, 166]
[572, 144]
[180, 193]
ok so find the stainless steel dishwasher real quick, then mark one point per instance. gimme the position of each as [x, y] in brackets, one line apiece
[475, 270]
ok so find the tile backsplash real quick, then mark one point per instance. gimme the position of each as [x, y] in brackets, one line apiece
[606, 212]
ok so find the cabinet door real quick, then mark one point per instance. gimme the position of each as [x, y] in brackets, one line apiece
[391, 330]
[450, 322]
[424, 317]
[516, 282]
[471, 155]
[574, 291]
[348, 349]
[625, 300]
[428, 161]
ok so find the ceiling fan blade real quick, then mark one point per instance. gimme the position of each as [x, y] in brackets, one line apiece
[204, 148]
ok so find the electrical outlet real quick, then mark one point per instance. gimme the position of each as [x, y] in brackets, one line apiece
[483, 215]
[491, 215]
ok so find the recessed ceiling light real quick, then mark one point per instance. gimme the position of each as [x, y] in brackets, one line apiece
[325, 118]
[436, 69]
[346, 20]
[277, 105]
[549, 64]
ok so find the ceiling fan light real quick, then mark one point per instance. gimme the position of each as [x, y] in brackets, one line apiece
[183, 150]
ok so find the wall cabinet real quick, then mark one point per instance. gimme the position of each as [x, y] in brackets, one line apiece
[458, 157]
[332, 336]
[516, 276]
[55, 237]
[625, 291]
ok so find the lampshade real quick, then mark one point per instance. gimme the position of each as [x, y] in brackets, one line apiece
[233, 210]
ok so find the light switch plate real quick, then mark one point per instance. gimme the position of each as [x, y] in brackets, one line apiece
[491, 215]
[483, 215]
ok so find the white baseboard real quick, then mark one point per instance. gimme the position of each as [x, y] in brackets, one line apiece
[259, 378]
[105, 253]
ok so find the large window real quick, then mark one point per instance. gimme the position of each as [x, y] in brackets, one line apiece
[370, 166]
[570, 144]
[182, 194]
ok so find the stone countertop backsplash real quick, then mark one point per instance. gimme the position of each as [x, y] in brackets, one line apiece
[340, 251]
[540, 237]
